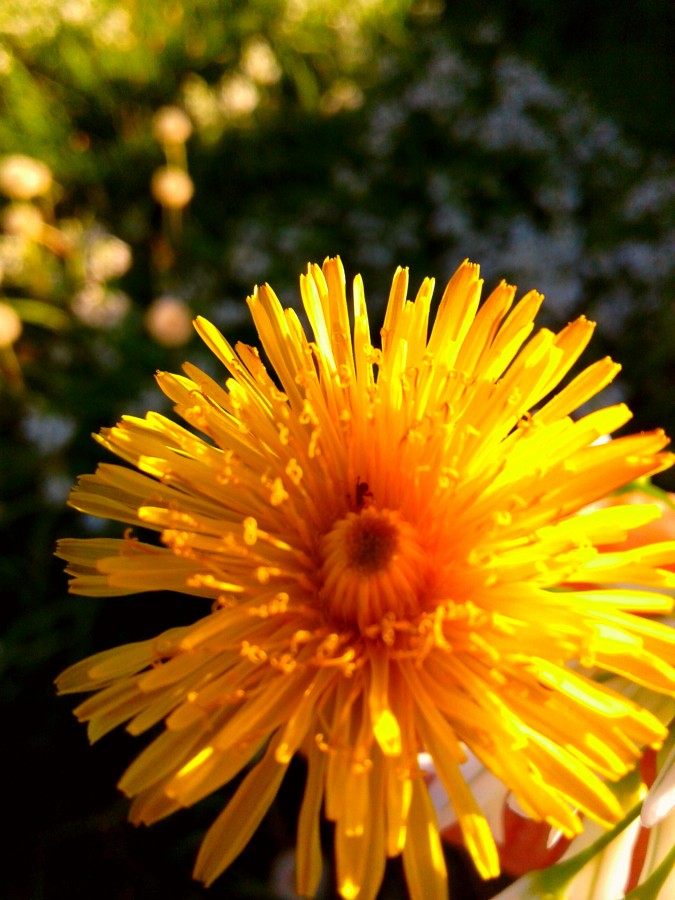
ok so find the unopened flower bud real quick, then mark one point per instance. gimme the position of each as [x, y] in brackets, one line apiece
[170, 125]
[169, 321]
[259, 62]
[172, 187]
[24, 219]
[22, 177]
[10, 325]
[238, 96]
[108, 257]
[99, 307]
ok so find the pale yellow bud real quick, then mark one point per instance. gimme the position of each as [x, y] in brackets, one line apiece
[10, 325]
[99, 307]
[24, 219]
[259, 62]
[107, 257]
[238, 96]
[170, 125]
[22, 177]
[172, 187]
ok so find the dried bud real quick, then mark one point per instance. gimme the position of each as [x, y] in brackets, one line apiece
[169, 321]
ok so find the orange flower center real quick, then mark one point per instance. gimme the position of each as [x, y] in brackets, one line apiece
[372, 566]
[370, 542]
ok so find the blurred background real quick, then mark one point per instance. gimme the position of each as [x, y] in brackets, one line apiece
[157, 160]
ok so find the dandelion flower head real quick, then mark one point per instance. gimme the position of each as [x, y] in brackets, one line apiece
[394, 550]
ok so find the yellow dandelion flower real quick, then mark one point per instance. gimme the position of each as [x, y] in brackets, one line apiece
[392, 543]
